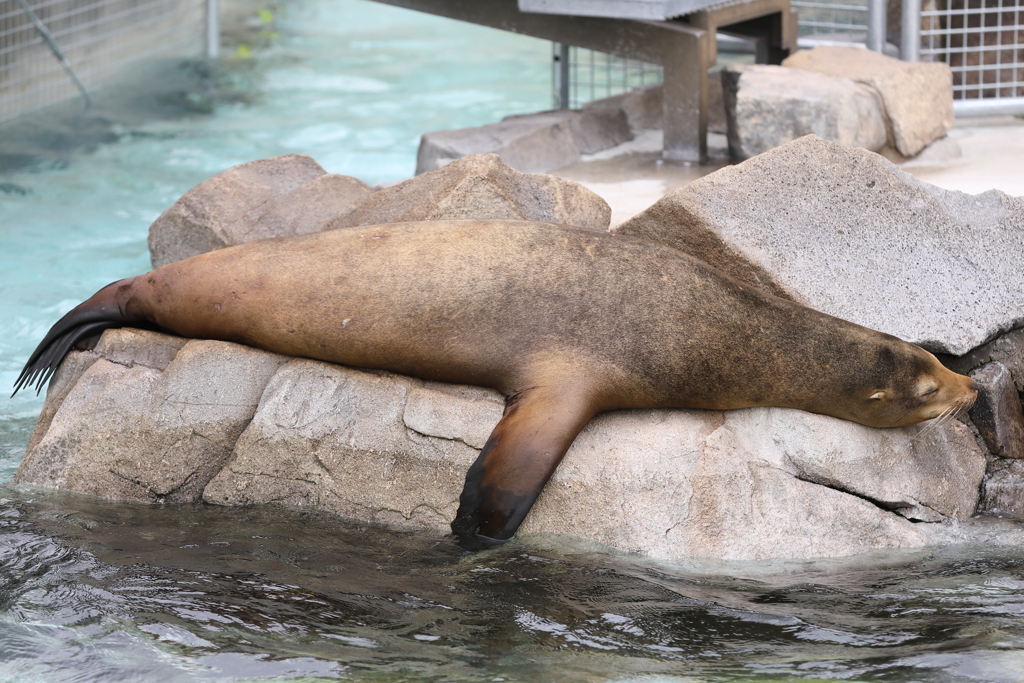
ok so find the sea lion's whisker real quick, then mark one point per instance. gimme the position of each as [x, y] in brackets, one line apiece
[936, 422]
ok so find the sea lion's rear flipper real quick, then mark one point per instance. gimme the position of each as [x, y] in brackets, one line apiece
[103, 310]
[520, 456]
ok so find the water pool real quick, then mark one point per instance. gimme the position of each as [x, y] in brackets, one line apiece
[97, 591]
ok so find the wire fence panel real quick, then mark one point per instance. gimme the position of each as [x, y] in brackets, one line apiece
[821, 22]
[98, 38]
[983, 43]
[596, 75]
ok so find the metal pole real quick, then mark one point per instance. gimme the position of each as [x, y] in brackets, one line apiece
[563, 75]
[876, 25]
[910, 37]
[212, 29]
[48, 39]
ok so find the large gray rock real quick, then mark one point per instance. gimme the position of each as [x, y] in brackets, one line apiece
[844, 231]
[745, 484]
[917, 96]
[767, 106]
[481, 186]
[276, 197]
[531, 143]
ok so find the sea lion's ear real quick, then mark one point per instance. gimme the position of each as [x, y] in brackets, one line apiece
[520, 456]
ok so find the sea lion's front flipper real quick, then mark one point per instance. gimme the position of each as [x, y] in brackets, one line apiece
[521, 454]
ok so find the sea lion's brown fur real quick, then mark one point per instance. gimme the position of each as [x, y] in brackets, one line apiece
[566, 322]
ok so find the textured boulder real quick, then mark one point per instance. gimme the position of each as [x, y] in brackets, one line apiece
[767, 106]
[917, 96]
[844, 231]
[128, 422]
[292, 195]
[1004, 490]
[643, 106]
[531, 143]
[372, 446]
[481, 186]
[277, 197]
[997, 413]
[745, 484]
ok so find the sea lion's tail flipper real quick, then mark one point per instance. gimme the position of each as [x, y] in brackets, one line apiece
[101, 311]
[520, 456]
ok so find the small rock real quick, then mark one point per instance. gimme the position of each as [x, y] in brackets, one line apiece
[997, 413]
[1007, 349]
[481, 186]
[276, 197]
[1004, 491]
[917, 96]
[942, 151]
[768, 106]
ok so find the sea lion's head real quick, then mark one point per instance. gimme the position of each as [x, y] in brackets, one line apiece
[903, 385]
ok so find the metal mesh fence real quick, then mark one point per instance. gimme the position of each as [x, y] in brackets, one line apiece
[981, 40]
[580, 76]
[594, 75]
[983, 43]
[97, 37]
[832, 23]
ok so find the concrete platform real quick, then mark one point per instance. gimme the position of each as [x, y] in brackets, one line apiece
[979, 154]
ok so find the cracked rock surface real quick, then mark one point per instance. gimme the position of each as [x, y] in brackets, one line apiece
[149, 417]
[126, 422]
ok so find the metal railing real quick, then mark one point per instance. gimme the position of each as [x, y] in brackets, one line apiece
[56, 50]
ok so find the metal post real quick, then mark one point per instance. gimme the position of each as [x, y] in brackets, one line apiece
[563, 74]
[212, 29]
[876, 25]
[910, 38]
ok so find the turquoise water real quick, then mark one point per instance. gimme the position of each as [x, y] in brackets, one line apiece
[98, 591]
[351, 83]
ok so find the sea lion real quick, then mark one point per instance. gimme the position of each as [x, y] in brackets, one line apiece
[566, 322]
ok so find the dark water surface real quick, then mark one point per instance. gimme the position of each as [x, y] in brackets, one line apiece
[99, 591]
